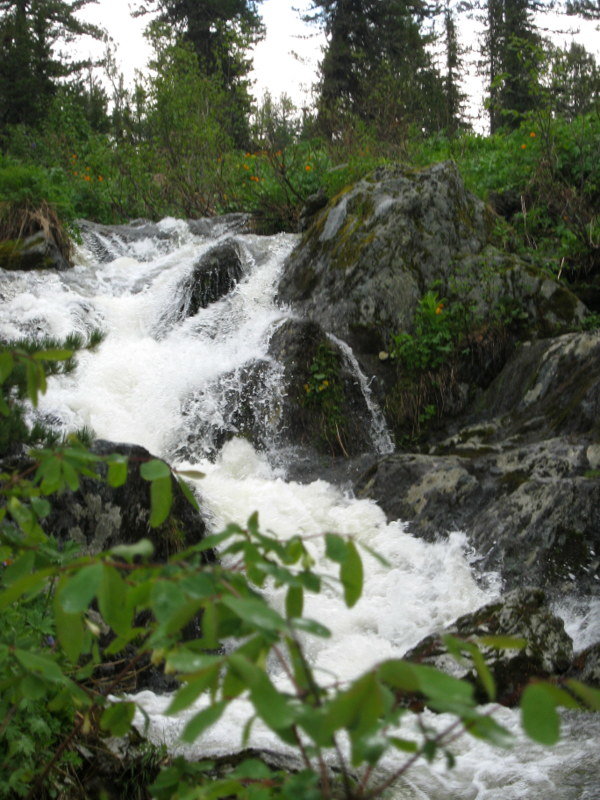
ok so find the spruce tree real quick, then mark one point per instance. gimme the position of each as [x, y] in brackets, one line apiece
[30, 66]
[376, 63]
[221, 33]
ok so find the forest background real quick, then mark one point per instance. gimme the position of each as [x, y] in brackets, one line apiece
[188, 139]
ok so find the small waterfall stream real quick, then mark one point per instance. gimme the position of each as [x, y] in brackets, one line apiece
[171, 384]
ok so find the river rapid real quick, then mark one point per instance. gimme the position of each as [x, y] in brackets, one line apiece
[167, 384]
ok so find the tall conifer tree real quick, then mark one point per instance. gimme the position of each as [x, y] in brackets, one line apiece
[31, 67]
[376, 61]
[221, 33]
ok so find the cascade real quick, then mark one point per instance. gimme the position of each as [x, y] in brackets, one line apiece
[171, 376]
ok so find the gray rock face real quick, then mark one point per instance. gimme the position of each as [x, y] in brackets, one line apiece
[324, 404]
[520, 614]
[586, 666]
[519, 473]
[213, 276]
[38, 251]
[377, 248]
[99, 517]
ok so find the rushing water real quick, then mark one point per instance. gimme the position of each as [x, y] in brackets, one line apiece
[168, 384]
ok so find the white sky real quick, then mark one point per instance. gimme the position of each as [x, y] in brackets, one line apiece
[276, 68]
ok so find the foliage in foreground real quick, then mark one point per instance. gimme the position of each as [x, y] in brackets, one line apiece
[64, 615]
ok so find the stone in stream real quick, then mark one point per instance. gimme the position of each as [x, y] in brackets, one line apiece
[520, 614]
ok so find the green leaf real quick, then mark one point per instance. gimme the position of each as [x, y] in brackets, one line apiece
[70, 632]
[117, 471]
[78, 590]
[351, 575]
[7, 364]
[188, 494]
[404, 745]
[113, 601]
[193, 474]
[42, 666]
[538, 714]
[445, 693]
[198, 724]
[167, 600]
[143, 548]
[483, 671]
[155, 470]
[161, 497]
[32, 688]
[24, 585]
[255, 612]
[503, 642]
[71, 476]
[271, 706]
[310, 626]
[185, 660]
[335, 548]
[294, 602]
[188, 694]
[589, 695]
[53, 355]
[117, 718]
[399, 675]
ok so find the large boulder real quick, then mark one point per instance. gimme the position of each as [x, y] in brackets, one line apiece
[38, 251]
[521, 614]
[306, 394]
[212, 277]
[98, 516]
[325, 405]
[379, 246]
[520, 473]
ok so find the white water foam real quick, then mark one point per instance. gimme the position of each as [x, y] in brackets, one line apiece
[133, 388]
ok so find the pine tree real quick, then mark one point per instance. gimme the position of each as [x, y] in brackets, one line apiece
[376, 62]
[454, 97]
[221, 33]
[30, 68]
[512, 56]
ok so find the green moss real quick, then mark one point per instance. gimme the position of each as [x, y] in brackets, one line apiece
[563, 304]
[511, 481]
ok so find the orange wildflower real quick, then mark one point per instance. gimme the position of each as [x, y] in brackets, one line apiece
[532, 134]
[523, 146]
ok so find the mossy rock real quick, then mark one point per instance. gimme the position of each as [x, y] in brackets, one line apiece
[380, 245]
[38, 251]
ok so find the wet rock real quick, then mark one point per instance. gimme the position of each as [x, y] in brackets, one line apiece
[381, 244]
[586, 666]
[38, 251]
[519, 473]
[248, 405]
[324, 408]
[108, 242]
[313, 204]
[98, 516]
[521, 614]
[213, 276]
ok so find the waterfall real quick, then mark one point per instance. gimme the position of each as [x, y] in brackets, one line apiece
[173, 381]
